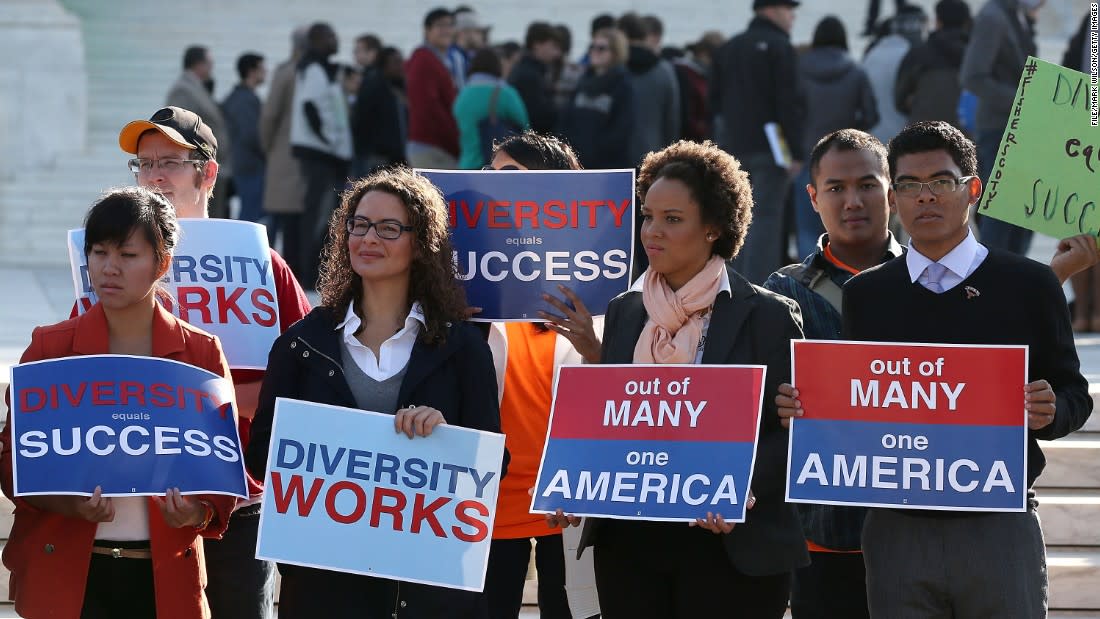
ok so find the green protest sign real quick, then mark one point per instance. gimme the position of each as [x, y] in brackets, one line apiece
[1045, 177]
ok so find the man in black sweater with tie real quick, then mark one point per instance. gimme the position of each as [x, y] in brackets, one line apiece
[949, 288]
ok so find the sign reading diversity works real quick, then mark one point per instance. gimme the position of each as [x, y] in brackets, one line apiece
[1046, 176]
[651, 442]
[919, 426]
[220, 281]
[520, 234]
[347, 493]
[132, 425]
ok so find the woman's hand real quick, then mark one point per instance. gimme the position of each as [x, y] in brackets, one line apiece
[96, 508]
[716, 524]
[575, 324]
[417, 420]
[787, 404]
[1074, 254]
[561, 519]
[180, 511]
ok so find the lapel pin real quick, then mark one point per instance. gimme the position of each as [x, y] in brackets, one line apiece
[971, 292]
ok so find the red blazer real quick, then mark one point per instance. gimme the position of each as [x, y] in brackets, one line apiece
[431, 93]
[48, 554]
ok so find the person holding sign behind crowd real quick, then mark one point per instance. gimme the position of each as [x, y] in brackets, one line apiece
[690, 306]
[388, 337]
[100, 557]
[526, 355]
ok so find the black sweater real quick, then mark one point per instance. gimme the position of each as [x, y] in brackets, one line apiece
[1019, 302]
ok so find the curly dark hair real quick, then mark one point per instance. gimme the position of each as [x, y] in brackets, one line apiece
[930, 135]
[716, 181]
[432, 280]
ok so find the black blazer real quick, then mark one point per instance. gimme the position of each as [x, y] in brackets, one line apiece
[456, 378]
[749, 326]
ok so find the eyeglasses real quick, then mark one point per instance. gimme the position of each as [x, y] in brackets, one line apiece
[938, 187]
[598, 48]
[166, 165]
[388, 229]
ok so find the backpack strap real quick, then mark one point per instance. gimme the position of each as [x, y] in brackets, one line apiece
[816, 280]
[493, 104]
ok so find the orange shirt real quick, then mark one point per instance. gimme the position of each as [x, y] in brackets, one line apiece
[524, 418]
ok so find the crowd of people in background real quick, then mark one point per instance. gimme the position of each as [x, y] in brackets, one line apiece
[626, 94]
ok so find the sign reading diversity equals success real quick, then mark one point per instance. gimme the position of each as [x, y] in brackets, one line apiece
[220, 281]
[132, 425]
[651, 442]
[520, 234]
[345, 492]
[1046, 176]
[922, 426]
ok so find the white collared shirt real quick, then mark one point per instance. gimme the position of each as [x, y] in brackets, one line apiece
[394, 353]
[960, 262]
[723, 286]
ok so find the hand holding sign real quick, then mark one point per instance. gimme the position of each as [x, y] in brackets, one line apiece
[574, 323]
[180, 511]
[1074, 255]
[1041, 404]
[787, 404]
[417, 420]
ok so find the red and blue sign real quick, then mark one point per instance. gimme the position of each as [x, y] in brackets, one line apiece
[132, 425]
[651, 442]
[921, 426]
[520, 234]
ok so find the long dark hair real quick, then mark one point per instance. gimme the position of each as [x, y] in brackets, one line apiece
[432, 280]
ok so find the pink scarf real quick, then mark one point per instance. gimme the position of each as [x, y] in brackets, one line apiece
[675, 325]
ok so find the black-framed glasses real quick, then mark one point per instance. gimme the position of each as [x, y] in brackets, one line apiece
[165, 165]
[389, 229]
[938, 187]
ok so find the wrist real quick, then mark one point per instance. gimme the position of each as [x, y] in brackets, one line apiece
[206, 516]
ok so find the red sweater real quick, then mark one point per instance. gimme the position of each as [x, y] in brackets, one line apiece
[431, 92]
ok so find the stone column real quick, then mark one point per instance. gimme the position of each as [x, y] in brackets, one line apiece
[43, 85]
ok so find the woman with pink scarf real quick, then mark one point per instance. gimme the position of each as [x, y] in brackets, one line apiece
[691, 307]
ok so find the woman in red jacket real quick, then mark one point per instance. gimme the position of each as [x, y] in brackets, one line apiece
[134, 557]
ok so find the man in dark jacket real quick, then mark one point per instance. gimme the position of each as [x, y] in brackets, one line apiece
[927, 87]
[1000, 42]
[656, 93]
[242, 116]
[754, 85]
[531, 76]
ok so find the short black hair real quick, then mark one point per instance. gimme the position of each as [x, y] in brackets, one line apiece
[830, 32]
[601, 21]
[120, 212]
[565, 37]
[539, 32]
[653, 25]
[318, 34]
[953, 13]
[487, 61]
[369, 41]
[435, 15]
[847, 140]
[247, 62]
[196, 54]
[931, 135]
[632, 26]
[537, 151]
[507, 49]
[384, 56]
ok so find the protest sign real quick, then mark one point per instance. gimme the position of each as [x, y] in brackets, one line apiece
[345, 492]
[220, 281]
[922, 426]
[132, 425]
[520, 234]
[651, 442]
[1044, 177]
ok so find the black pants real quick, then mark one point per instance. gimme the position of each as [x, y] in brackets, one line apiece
[508, 559]
[324, 180]
[119, 588]
[694, 581]
[239, 586]
[832, 585]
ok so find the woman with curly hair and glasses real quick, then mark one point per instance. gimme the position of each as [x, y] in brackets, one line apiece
[388, 337]
[690, 306]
